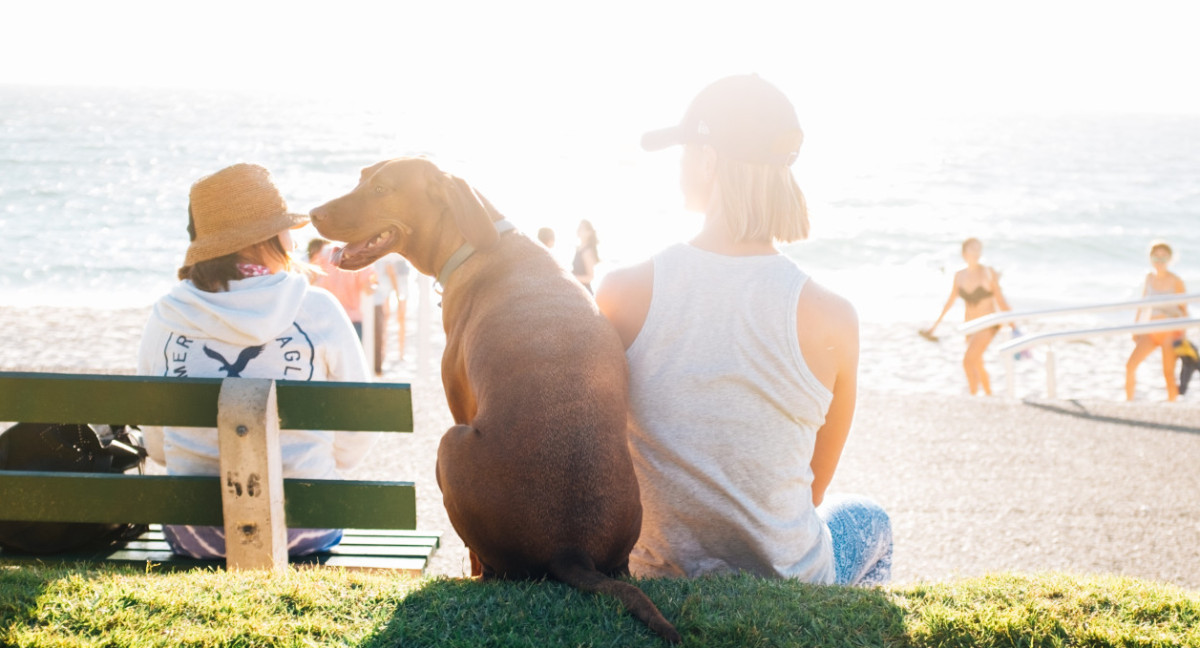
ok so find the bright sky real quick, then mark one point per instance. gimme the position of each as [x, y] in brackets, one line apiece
[622, 54]
[556, 78]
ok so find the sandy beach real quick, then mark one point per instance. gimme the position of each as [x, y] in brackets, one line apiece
[1084, 483]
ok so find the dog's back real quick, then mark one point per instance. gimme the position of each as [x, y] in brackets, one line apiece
[537, 478]
[540, 377]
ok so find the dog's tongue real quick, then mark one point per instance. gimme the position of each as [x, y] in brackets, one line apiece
[352, 256]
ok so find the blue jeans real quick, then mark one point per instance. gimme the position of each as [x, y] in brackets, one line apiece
[208, 542]
[862, 539]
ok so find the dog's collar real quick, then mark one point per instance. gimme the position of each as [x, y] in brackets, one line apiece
[463, 253]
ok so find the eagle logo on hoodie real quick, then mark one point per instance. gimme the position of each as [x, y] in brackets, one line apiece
[235, 370]
[289, 356]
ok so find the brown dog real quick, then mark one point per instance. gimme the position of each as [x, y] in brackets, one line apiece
[536, 476]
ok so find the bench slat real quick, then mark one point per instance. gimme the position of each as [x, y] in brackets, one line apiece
[192, 402]
[370, 537]
[145, 499]
[151, 547]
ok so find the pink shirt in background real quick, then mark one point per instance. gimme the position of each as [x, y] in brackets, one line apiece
[347, 286]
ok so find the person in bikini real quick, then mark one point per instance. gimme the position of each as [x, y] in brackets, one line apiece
[1159, 282]
[979, 288]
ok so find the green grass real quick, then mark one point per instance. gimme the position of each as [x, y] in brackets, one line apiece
[108, 606]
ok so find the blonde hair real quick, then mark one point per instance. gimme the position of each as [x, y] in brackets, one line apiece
[760, 202]
[1161, 244]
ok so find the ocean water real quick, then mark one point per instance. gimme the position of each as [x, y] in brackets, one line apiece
[94, 184]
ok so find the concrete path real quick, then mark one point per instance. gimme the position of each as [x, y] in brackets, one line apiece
[978, 485]
[973, 485]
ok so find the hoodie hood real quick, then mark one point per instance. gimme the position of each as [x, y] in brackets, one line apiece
[251, 312]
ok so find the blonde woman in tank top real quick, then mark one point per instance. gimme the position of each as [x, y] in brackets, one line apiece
[742, 369]
[1159, 282]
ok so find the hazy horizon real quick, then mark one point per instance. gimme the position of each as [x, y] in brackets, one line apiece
[545, 58]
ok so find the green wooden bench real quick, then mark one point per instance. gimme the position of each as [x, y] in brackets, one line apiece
[250, 498]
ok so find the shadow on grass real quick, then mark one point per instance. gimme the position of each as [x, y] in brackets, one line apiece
[1079, 410]
[19, 595]
[712, 612]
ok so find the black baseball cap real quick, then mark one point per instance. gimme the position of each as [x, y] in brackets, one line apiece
[743, 117]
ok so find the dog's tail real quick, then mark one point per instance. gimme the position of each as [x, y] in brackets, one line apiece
[575, 568]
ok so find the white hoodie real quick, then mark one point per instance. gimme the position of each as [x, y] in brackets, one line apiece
[275, 326]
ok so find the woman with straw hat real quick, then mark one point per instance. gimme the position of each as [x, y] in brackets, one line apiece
[241, 311]
[742, 369]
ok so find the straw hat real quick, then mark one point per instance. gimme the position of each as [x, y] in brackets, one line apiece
[233, 209]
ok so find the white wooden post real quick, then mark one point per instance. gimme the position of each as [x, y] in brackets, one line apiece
[1010, 380]
[1051, 379]
[251, 475]
[367, 306]
[424, 322]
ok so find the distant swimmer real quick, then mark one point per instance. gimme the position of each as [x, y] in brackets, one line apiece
[979, 288]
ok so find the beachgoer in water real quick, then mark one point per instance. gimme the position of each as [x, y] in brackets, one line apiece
[979, 288]
[241, 311]
[742, 369]
[587, 254]
[1159, 282]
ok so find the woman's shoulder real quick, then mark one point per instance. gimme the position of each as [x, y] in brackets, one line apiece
[827, 330]
[820, 304]
[623, 296]
[627, 282]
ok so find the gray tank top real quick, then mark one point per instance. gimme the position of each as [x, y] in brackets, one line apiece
[726, 416]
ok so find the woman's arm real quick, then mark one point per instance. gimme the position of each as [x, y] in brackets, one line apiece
[946, 308]
[624, 298]
[1180, 288]
[1141, 314]
[829, 343]
[1001, 302]
[148, 355]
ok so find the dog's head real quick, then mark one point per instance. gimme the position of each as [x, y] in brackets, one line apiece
[409, 206]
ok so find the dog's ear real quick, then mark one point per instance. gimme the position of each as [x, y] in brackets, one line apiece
[473, 219]
[493, 213]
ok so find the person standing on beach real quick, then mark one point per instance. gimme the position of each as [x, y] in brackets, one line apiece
[240, 311]
[348, 287]
[587, 254]
[1159, 282]
[979, 288]
[742, 369]
[316, 258]
[391, 272]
